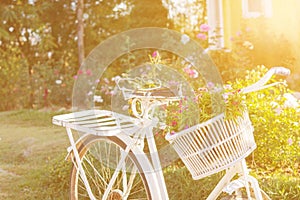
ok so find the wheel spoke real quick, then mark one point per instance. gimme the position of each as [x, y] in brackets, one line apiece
[99, 157]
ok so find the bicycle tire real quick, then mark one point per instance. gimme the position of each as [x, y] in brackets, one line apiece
[112, 144]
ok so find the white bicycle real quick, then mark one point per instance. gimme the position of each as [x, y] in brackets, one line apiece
[109, 159]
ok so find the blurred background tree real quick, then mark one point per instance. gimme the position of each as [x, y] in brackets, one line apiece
[39, 42]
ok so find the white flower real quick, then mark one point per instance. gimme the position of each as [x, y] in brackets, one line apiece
[106, 80]
[115, 78]
[184, 39]
[98, 99]
[248, 45]
[58, 82]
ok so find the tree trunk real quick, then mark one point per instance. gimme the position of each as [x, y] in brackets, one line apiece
[80, 31]
[30, 62]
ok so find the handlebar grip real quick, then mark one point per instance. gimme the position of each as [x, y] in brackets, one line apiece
[281, 71]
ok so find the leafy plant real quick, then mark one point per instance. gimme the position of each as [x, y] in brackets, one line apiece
[276, 124]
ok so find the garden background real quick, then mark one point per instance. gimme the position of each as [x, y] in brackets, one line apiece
[42, 44]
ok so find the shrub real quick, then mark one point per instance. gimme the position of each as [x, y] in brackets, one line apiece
[13, 78]
[276, 124]
[53, 85]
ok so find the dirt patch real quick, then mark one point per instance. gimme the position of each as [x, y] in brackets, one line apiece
[6, 173]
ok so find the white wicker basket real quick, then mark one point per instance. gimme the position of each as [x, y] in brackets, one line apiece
[214, 145]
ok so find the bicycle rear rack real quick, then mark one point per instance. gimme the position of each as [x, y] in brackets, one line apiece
[98, 122]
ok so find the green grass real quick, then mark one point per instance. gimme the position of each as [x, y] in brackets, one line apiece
[30, 145]
[279, 185]
[32, 165]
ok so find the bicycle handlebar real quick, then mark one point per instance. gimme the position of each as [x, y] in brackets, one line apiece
[281, 71]
[261, 84]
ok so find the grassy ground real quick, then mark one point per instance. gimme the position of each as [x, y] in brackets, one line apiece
[32, 164]
[29, 145]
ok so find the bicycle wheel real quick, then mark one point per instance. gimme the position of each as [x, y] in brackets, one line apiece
[99, 158]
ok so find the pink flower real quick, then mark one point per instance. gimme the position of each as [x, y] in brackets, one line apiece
[180, 103]
[56, 72]
[97, 81]
[174, 123]
[88, 72]
[154, 54]
[210, 85]
[191, 72]
[201, 36]
[290, 141]
[204, 27]
[172, 132]
[225, 96]
[75, 77]
[80, 72]
[196, 98]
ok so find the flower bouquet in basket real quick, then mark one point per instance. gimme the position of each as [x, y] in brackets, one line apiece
[181, 114]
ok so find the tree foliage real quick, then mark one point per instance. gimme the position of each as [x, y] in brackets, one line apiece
[38, 41]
